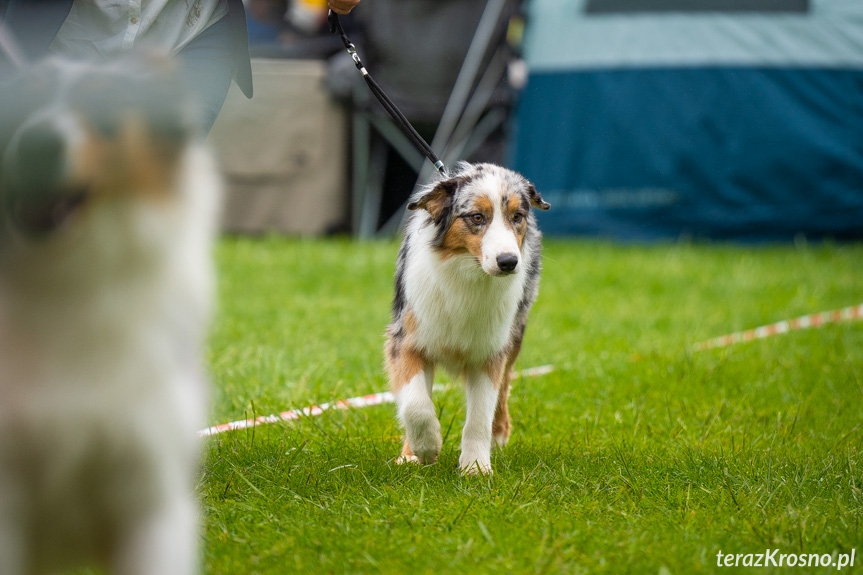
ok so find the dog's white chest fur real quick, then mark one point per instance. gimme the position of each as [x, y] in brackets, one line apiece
[464, 316]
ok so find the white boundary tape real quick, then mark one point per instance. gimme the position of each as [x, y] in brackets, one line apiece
[295, 414]
[854, 312]
[353, 402]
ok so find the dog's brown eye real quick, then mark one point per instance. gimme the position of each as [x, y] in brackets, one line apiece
[517, 217]
[478, 218]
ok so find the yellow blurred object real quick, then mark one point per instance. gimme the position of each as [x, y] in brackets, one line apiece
[515, 31]
[308, 15]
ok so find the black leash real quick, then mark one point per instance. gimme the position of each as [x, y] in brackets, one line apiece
[389, 106]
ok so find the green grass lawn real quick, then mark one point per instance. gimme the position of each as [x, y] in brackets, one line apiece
[636, 455]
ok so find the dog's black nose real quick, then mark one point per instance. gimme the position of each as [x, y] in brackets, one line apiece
[507, 262]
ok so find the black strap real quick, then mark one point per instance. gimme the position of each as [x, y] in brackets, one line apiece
[396, 114]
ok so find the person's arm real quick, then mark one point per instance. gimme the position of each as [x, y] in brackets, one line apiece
[342, 6]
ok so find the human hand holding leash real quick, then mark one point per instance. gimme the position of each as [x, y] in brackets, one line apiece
[342, 6]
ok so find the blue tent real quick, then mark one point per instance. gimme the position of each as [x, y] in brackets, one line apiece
[730, 119]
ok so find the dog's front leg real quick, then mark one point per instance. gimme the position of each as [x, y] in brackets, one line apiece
[417, 413]
[481, 397]
[501, 426]
[165, 542]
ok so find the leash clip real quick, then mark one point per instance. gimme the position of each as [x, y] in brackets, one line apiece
[352, 50]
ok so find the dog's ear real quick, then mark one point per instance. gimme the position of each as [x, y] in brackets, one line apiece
[535, 199]
[437, 199]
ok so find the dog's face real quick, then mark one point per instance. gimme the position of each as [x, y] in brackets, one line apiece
[484, 211]
[74, 135]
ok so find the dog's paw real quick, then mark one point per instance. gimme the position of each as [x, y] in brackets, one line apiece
[425, 440]
[475, 458]
[476, 469]
[427, 457]
[402, 459]
[500, 441]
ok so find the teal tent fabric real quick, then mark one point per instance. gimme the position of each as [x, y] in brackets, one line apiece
[732, 125]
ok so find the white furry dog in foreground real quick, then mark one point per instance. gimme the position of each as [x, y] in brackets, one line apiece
[106, 224]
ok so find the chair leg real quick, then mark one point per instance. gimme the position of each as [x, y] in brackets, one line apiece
[360, 168]
[371, 207]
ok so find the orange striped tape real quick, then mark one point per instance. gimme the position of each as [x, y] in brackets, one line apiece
[850, 313]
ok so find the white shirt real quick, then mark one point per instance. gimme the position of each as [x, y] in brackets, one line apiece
[105, 28]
